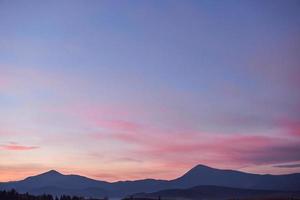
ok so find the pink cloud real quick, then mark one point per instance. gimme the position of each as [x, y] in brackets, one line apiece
[16, 147]
[110, 117]
[292, 126]
[211, 149]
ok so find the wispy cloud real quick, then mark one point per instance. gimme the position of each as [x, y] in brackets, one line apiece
[288, 165]
[17, 147]
[212, 149]
[291, 126]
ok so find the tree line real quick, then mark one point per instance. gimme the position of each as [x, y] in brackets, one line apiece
[14, 195]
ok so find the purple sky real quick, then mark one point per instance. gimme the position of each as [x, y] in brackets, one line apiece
[121, 90]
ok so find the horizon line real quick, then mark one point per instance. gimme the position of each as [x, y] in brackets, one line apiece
[103, 180]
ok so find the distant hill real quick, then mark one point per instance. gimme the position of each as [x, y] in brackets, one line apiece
[204, 175]
[53, 182]
[215, 192]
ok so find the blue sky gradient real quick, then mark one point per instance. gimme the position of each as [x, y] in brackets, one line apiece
[117, 78]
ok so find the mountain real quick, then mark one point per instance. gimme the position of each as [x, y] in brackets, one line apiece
[53, 182]
[215, 192]
[204, 175]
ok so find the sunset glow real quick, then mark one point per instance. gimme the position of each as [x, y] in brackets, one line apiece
[125, 90]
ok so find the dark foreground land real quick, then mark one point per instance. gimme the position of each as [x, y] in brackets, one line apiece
[257, 198]
[14, 195]
[216, 193]
[210, 192]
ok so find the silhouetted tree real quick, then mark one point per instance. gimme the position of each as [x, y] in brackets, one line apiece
[14, 195]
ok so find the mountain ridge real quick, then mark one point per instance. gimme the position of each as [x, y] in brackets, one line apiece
[55, 182]
[215, 192]
[197, 167]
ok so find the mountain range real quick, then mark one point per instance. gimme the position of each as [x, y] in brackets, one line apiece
[216, 193]
[53, 182]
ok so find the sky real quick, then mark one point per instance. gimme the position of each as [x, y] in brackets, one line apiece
[125, 90]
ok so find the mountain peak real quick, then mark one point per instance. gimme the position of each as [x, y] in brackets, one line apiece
[52, 172]
[199, 170]
[201, 167]
[46, 176]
